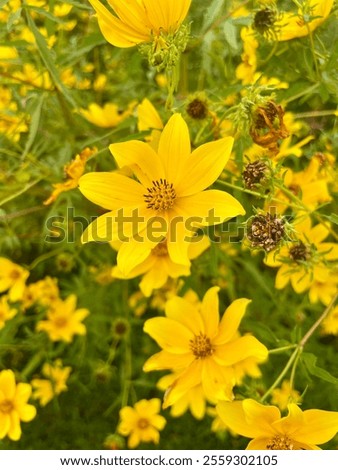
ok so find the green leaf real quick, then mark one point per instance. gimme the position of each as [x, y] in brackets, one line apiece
[230, 33]
[332, 218]
[211, 13]
[48, 60]
[309, 361]
[36, 114]
[13, 17]
[3, 3]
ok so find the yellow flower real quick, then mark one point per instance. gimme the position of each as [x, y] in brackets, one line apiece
[45, 292]
[12, 278]
[109, 115]
[168, 200]
[6, 312]
[205, 348]
[269, 431]
[142, 422]
[74, 170]
[305, 260]
[246, 70]
[293, 25]
[324, 291]
[158, 267]
[63, 320]
[194, 399]
[57, 376]
[329, 325]
[13, 405]
[138, 21]
[285, 395]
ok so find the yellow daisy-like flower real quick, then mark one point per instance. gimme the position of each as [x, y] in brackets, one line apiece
[109, 115]
[12, 278]
[46, 389]
[45, 292]
[142, 422]
[158, 267]
[285, 395]
[13, 405]
[304, 261]
[292, 25]
[329, 325]
[300, 430]
[6, 311]
[74, 170]
[324, 291]
[167, 202]
[206, 349]
[139, 21]
[63, 320]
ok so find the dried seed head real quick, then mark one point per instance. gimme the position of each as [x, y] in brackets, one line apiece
[197, 109]
[264, 20]
[266, 231]
[254, 174]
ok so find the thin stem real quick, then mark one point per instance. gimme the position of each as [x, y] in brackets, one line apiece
[282, 349]
[45, 256]
[23, 190]
[302, 93]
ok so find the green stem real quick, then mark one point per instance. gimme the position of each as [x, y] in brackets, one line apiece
[17, 194]
[43, 257]
[282, 349]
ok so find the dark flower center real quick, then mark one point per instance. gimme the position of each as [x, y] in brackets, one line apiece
[201, 346]
[160, 196]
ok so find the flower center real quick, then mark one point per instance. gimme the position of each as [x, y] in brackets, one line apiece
[160, 196]
[6, 406]
[299, 252]
[201, 346]
[60, 322]
[14, 274]
[161, 249]
[280, 442]
[143, 423]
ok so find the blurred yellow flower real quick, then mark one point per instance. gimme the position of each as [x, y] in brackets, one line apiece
[109, 115]
[310, 15]
[324, 291]
[56, 375]
[305, 260]
[246, 70]
[300, 430]
[142, 422]
[158, 267]
[13, 405]
[206, 349]
[6, 311]
[74, 170]
[285, 395]
[12, 279]
[138, 21]
[63, 320]
[329, 325]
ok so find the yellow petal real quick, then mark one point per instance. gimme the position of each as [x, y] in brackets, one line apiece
[185, 382]
[319, 427]
[329, 251]
[167, 14]
[141, 158]
[261, 417]
[131, 13]
[111, 190]
[155, 278]
[233, 416]
[174, 149]
[204, 166]
[184, 312]
[239, 350]
[217, 381]
[7, 384]
[231, 320]
[210, 312]
[259, 443]
[165, 360]
[169, 334]
[131, 254]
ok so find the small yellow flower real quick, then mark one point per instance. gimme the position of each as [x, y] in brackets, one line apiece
[206, 349]
[13, 405]
[142, 422]
[6, 311]
[74, 170]
[285, 395]
[12, 279]
[329, 325]
[63, 320]
[300, 430]
[158, 267]
[138, 21]
[109, 115]
[168, 201]
[324, 291]
[46, 389]
[305, 260]
[45, 292]
[294, 25]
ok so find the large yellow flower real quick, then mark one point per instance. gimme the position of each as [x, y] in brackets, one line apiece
[63, 320]
[12, 278]
[141, 422]
[139, 21]
[269, 431]
[205, 348]
[168, 200]
[13, 405]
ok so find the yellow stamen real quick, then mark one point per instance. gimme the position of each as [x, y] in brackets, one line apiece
[201, 346]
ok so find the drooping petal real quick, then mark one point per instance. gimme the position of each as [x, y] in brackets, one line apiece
[170, 335]
[185, 382]
[174, 149]
[141, 158]
[217, 381]
[231, 320]
[204, 166]
[132, 253]
[186, 313]
[242, 348]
